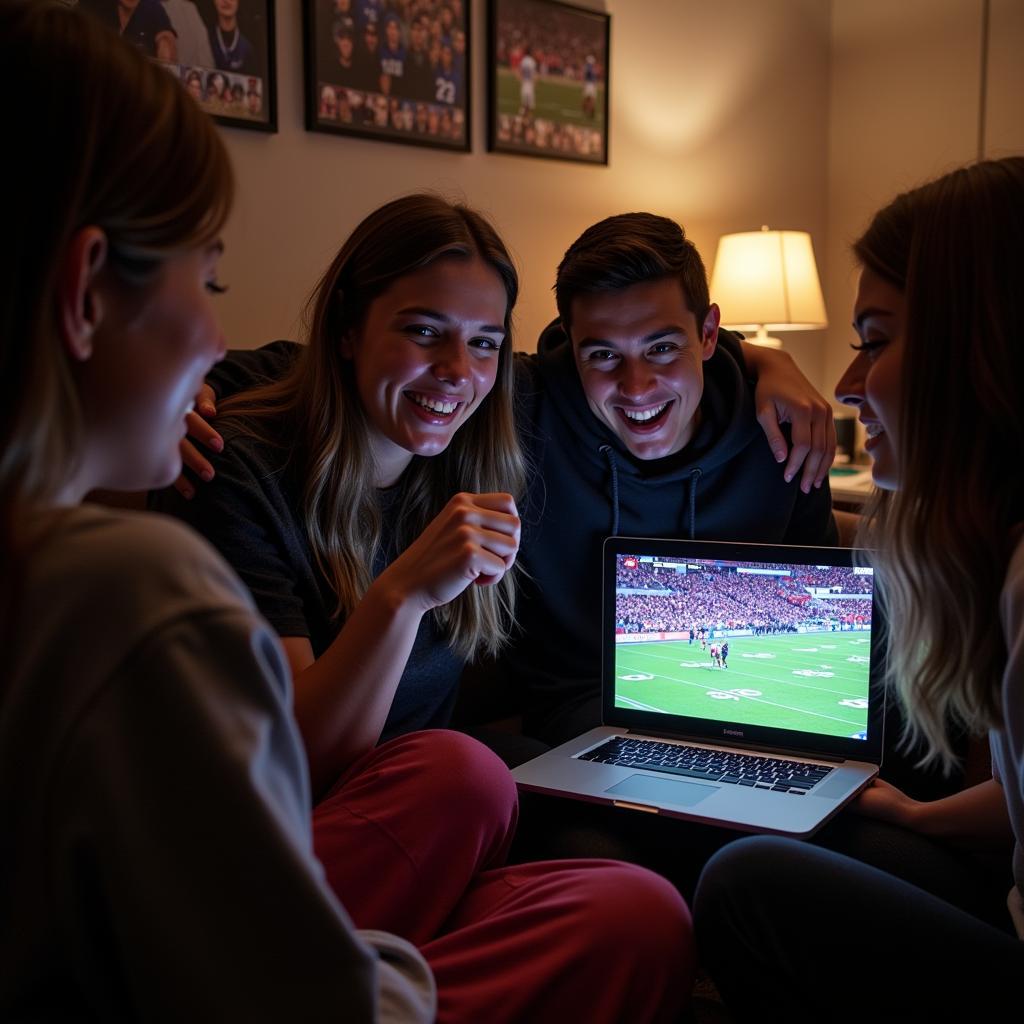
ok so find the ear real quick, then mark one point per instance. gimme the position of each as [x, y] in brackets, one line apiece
[80, 307]
[709, 332]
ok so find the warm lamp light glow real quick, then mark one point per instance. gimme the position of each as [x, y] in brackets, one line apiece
[767, 280]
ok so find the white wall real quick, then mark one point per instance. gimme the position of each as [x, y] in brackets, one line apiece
[1004, 106]
[718, 118]
[906, 106]
[806, 114]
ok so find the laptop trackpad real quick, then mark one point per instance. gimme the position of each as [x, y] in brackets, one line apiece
[663, 791]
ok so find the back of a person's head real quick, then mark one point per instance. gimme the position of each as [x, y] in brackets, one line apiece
[97, 135]
[629, 249]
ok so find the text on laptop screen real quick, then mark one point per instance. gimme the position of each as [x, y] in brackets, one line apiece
[783, 646]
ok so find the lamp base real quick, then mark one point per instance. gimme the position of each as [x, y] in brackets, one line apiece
[763, 338]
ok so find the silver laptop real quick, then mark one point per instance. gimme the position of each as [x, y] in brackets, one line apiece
[738, 685]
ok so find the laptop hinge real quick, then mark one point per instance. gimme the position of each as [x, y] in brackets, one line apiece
[757, 748]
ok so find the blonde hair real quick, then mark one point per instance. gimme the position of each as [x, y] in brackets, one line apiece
[102, 137]
[340, 505]
[943, 540]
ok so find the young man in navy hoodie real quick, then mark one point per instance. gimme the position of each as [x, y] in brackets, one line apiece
[640, 420]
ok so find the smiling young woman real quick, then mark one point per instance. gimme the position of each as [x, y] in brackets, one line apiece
[368, 497]
[937, 380]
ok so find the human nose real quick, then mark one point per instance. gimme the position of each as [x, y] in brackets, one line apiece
[452, 366]
[850, 388]
[635, 379]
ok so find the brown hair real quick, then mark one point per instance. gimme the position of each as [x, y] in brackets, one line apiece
[955, 247]
[629, 249]
[98, 136]
[341, 508]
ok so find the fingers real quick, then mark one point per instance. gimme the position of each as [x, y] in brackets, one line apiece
[497, 502]
[206, 401]
[802, 436]
[202, 433]
[492, 512]
[488, 578]
[823, 449]
[485, 528]
[813, 435]
[810, 473]
[498, 544]
[768, 417]
[815, 456]
[195, 460]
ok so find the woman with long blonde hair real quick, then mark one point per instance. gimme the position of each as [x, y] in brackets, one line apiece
[362, 498]
[938, 380]
[367, 497]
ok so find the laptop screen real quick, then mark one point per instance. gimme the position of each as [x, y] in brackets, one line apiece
[773, 641]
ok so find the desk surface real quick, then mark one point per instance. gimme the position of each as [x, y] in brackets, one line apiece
[850, 484]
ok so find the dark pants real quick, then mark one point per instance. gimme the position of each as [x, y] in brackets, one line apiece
[789, 931]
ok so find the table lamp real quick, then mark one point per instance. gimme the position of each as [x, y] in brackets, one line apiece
[767, 280]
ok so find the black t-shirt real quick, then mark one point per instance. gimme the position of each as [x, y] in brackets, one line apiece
[251, 513]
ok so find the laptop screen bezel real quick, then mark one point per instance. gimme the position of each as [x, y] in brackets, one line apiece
[757, 736]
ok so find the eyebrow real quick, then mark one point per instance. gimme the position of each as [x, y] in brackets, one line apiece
[865, 314]
[433, 314]
[662, 332]
[216, 246]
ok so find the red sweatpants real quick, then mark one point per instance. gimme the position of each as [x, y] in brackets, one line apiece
[413, 839]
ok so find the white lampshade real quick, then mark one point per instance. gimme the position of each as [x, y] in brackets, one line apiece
[768, 280]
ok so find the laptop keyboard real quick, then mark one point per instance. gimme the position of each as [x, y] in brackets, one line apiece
[796, 777]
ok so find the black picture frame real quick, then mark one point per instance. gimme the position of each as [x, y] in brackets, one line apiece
[210, 48]
[569, 50]
[390, 96]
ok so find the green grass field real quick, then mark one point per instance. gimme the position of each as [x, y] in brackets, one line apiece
[557, 99]
[811, 682]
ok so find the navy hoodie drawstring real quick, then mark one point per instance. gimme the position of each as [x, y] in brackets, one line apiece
[695, 475]
[606, 450]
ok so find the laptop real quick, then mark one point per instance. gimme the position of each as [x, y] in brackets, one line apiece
[739, 686]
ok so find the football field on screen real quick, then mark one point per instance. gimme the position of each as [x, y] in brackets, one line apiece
[557, 99]
[812, 682]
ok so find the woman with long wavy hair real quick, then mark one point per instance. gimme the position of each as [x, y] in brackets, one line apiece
[938, 380]
[367, 498]
[156, 857]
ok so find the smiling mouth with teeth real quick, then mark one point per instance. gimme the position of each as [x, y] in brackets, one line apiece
[644, 417]
[437, 407]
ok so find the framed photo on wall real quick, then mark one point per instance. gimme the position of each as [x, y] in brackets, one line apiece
[395, 72]
[547, 75]
[222, 50]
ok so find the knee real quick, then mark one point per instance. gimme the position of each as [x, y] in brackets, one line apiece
[635, 909]
[745, 873]
[460, 777]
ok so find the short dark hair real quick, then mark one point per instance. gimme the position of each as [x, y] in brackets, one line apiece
[629, 249]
